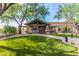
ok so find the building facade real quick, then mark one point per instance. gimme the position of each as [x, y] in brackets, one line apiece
[41, 27]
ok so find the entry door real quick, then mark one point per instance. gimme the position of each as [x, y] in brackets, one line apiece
[42, 30]
[34, 30]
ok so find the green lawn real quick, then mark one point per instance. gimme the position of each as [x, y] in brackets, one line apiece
[33, 45]
[66, 35]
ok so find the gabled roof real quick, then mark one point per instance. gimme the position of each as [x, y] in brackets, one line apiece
[35, 21]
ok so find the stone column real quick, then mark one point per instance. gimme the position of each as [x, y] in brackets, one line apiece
[47, 29]
[37, 27]
[23, 30]
[56, 29]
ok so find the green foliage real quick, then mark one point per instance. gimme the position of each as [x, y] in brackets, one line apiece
[24, 12]
[6, 17]
[39, 11]
[68, 12]
[4, 7]
[9, 30]
[67, 29]
[1, 30]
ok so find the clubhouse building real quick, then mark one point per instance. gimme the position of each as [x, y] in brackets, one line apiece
[41, 27]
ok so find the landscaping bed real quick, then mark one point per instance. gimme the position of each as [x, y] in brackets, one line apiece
[33, 45]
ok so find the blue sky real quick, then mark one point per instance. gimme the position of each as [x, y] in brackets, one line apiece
[53, 8]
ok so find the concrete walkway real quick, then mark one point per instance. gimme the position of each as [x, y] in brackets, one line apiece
[70, 40]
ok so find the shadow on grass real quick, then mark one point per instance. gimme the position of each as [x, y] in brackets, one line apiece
[46, 48]
[35, 52]
[23, 52]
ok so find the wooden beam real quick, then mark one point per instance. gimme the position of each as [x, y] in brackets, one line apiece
[37, 25]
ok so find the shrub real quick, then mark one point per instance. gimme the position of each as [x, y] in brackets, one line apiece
[9, 30]
[72, 43]
[1, 30]
[66, 29]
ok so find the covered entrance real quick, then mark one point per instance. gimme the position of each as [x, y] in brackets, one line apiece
[37, 26]
[39, 29]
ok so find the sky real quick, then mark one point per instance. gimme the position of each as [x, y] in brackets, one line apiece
[52, 8]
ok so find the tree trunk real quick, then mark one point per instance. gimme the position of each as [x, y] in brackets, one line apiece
[20, 30]
[0, 8]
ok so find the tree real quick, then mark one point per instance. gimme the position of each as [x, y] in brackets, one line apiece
[10, 14]
[5, 19]
[21, 12]
[20, 15]
[4, 7]
[68, 12]
[4, 15]
[38, 11]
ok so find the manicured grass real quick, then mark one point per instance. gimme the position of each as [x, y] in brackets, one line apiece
[66, 35]
[33, 45]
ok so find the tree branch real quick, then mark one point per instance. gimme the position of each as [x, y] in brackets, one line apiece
[23, 17]
[16, 20]
[4, 8]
